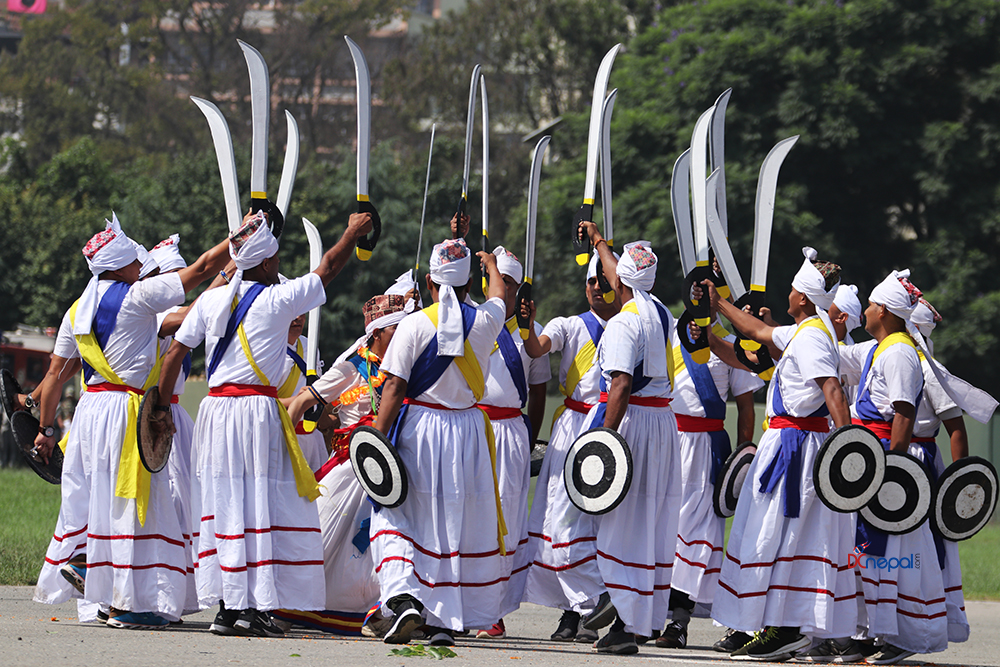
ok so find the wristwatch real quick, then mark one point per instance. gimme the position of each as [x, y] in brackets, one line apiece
[47, 431]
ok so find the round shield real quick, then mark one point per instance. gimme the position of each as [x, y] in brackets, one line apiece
[154, 445]
[378, 467]
[537, 456]
[965, 498]
[25, 427]
[730, 479]
[9, 389]
[598, 471]
[849, 468]
[905, 497]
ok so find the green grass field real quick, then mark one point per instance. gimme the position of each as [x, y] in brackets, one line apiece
[30, 507]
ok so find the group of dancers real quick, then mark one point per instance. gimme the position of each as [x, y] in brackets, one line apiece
[257, 515]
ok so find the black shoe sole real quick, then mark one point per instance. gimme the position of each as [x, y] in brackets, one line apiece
[601, 618]
[404, 627]
[226, 631]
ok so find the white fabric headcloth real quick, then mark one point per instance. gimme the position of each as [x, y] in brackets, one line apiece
[109, 250]
[897, 294]
[404, 283]
[148, 263]
[637, 270]
[812, 283]
[925, 318]
[847, 301]
[249, 245]
[592, 267]
[167, 254]
[451, 264]
[508, 264]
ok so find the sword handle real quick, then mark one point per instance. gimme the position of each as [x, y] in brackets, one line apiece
[367, 245]
[462, 204]
[312, 414]
[523, 298]
[699, 312]
[274, 215]
[581, 245]
[718, 278]
[698, 349]
[764, 366]
[486, 277]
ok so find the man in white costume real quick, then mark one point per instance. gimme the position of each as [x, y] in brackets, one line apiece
[785, 567]
[133, 561]
[634, 560]
[259, 546]
[562, 540]
[846, 314]
[514, 381]
[291, 383]
[438, 553]
[353, 385]
[700, 392]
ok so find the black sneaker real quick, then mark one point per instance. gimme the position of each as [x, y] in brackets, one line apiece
[585, 636]
[774, 644]
[617, 643]
[733, 640]
[674, 636]
[258, 624]
[889, 655]
[566, 632]
[603, 615]
[225, 623]
[440, 637]
[408, 619]
[829, 650]
[640, 640]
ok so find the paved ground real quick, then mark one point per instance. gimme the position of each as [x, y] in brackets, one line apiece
[34, 634]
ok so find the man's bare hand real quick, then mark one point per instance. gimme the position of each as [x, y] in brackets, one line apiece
[694, 331]
[765, 316]
[460, 228]
[43, 448]
[488, 259]
[589, 231]
[527, 309]
[359, 224]
[162, 422]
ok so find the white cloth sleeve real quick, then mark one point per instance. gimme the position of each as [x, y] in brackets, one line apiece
[619, 349]
[335, 381]
[65, 346]
[782, 335]
[819, 357]
[539, 370]
[556, 330]
[192, 330]
[158, 293]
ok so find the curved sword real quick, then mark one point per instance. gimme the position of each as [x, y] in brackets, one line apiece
[364, 95]
[524, 291]
[608, 293]
[717, 237]
[680, 207]
[586, 210]
[290, 166]
[767, 187]
[716, 137]
[223, 141]
[469, 121]
[260, 104]
[486, 173]
[312, 342]
[423, 210]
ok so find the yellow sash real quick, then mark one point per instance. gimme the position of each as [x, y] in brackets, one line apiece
[812, 322]
[469, 366]
[133, 478]
[286, 390]
[894, 338]
[305, 480]
[630, 307]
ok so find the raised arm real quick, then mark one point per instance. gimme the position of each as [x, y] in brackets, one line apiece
[748, 324]
[335, 258]
[206, 266]
[498, 290]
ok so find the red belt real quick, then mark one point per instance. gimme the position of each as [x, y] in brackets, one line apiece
[577, 406]
[175, 399]
[644, 401]
[243, 390]
[496, 414]
[816, 424]
[689, 424]
[882, 429]
[925, 441]
[434, 406]
[109, 386]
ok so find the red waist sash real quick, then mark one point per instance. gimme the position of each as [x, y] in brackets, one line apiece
[496, 414]
[175, 399]
[882, 429]
[577, 406]
[689, 424]
[644, 401]
[433, 406]
[243, 390]
[926, 441]
[110, 386]
[815, 424]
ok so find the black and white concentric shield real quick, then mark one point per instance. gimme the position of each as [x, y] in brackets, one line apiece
[849, 468]
[965, 498]
[598, 471]
[378, 467]
[154, 445]
[730, 479]
[904, 499]
[9, 388]
[24, 426]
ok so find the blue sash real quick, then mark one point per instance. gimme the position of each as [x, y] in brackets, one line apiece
[242, 306]
[594, 327]
[639, 381]
[512, 358]
[299, 361]
[105, 319]
[429, 367]
[715, 408]
[186, 365]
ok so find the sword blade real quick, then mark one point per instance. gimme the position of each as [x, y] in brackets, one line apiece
[596, 117]
[606, 112]
[680, 206]
[716, 137]
[364, 96]
[767, 187]
[717, 237]
[260, 104]
[223, 142]
[486, 164]
[536, 174]
[290, 166]
[315, 254]
[423, 210]
[469, 121]
[699, 150]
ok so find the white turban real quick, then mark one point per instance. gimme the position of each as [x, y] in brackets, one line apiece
[404, 283]
[897, 294]
[451, 264]
[925, 318]
[109, 250]
[148, 263]
[847, 302]
[508, 265]
[812, 283]
[637, 270]
[249, 245]
[167, 254]
[592, 268]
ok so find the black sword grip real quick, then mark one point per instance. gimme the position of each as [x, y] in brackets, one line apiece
[365, 244]
[462, 207]
[523, 298]
[313, 413]
[698, 349]
[581, 244]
